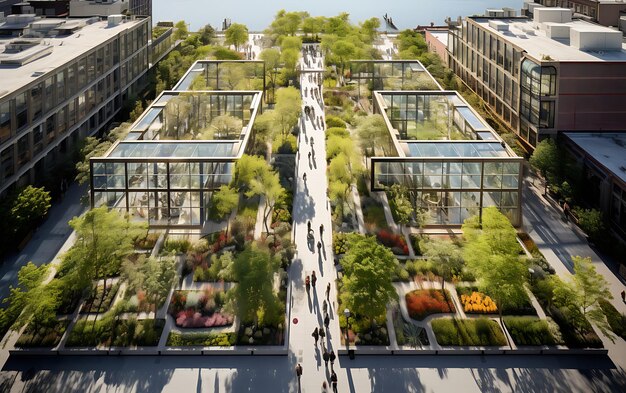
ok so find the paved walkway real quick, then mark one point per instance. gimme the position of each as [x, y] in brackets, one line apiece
[311, 205]
[47, 240]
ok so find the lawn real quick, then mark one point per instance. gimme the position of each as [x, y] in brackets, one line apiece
[468, 332]
[529, 331]
[48, 336]
[424, 302]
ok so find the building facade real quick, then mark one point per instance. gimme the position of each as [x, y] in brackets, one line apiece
[140, 7]
[543, 75]
[64, 80]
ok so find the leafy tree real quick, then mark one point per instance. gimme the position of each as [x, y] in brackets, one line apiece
[372, 132]
[445, 254]
[287, 110]
[590, 220]
[103, 239]
[313, 25]
[368, 270]
[206, 34]
[30, 206]
[344, 50]
[272, 59]
[266, 184]
[491, 252]
[29, 278]
[225, 127]
[236, 34]
[582, 294]
[369, 28]
[180, 30]
[253, 298]
[338, 192]
[545, 159]
[137, 111]
[224, 201]
[336, 145]
[246, 168]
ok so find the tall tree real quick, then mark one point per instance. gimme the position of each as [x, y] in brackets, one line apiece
[23, 297]
[368, 270]
[446, 255]
[582, 294]
[224, 201]
[287, 110]
[236, 34]
[246, 168]
[272, 59]
[180, 30]
[253, 298]
[545, 159]
[372, 132]
[267, 184]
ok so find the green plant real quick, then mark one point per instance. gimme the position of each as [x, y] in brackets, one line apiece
[529, 331]
[201, 339]
[616, 320]
[590, 220]
[468, 332]
[178, 246]
[334, 121]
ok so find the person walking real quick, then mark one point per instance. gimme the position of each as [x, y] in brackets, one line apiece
[623, 296]
[307, 282]
[326, 357]
[322, 333]
[321, 229]
[332, 359]
[325, 307]
[333, 381]
[328, 292]
[315, 335]
[566, 210]
[304, 177]
[298, 372]
[326, 320]
[313, 279]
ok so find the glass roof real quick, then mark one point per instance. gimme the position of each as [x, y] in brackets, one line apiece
[471, 118]
[174, 149]
[456, 149]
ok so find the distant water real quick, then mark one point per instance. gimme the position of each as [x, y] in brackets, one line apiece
[257, 14]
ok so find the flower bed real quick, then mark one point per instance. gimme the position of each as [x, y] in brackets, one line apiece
[201, 339]
[529, 331]
[46, 336]
[424, 302]
[196, 309]
[478, 303]
[395, 242]
[109, 331]
[468, 332]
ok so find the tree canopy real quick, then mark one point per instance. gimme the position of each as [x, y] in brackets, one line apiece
[237, 35]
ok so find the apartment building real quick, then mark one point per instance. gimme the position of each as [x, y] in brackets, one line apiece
[63, 80]
[545, 74]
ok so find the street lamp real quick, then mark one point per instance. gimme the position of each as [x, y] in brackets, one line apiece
[531, 272]
[346, 312]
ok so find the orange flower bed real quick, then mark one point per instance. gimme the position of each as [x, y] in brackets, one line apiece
[424, 302]
[478, 303]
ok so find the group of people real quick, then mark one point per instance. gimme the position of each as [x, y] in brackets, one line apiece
[313, 115]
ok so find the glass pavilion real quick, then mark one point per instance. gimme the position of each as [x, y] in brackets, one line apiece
[451, 161]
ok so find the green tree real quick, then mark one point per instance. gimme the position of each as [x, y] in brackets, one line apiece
[545, 159]
[236, 34]
[368, 271]
[266, 184]
[272, 59]
[446, 255]
[581, 296]
[224, 201]
[287, 110]
[372, 132]
[31, 205]
[137, 111]
[246, 168]
[336, 145]
[253, 298]
[207, 34]
[369, 28]
[103, 239]
[29, 278]
[344, 50]
[491, 251]
[590, 220]
[313, 25]
[153, 276]
[180, 30]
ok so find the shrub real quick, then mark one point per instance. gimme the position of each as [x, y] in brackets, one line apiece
[337, 131]
[468, 332]
[397, 243]
[334, 121]
[340, 243]
[616, 321]
[424, 302]
[529, 331]
[201, 339]
[44, 336]
[590, 221]
[179, 246]
[147, 242]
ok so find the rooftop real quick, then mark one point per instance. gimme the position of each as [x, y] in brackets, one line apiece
[554, 35]
[393, 74]
[607, 148]
[438, 124]
[440, 35]
[44, 55]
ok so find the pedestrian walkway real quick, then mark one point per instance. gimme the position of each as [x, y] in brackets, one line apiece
[314, 249]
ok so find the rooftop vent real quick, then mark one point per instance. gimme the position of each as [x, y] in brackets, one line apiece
[499, 25]
[115, 20]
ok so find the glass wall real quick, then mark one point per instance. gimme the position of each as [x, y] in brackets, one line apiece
[452, 190]
[224, 75]
[165, 193]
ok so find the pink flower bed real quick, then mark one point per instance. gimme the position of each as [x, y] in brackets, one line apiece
[192, 319]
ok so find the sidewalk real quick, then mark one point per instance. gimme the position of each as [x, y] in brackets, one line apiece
[47, 240]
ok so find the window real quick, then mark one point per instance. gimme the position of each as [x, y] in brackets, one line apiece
[50, 127]
[71, 80]
[22, 151]
[21, 110]
[5, 121]
[546, 114]
[82, 73]
[50, 99]
[60, 89]
[6, 163]
[548, 81]
[37, 139]
[36, 101]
